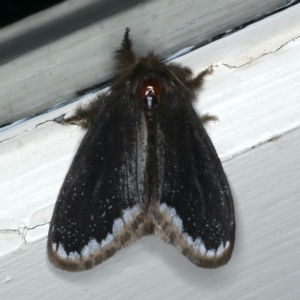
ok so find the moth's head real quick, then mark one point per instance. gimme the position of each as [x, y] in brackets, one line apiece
[149, 78]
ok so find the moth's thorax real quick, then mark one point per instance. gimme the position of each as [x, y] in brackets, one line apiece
[150, 90]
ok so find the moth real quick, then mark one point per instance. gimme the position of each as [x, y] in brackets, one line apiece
[145, 166]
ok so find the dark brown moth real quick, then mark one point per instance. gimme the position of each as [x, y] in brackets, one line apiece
[145, 166]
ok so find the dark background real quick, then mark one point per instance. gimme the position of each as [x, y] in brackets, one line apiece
[14, 10]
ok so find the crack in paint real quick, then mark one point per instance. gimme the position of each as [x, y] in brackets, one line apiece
[23, 230]
[260, 56]
[260, 144]
[27, 130]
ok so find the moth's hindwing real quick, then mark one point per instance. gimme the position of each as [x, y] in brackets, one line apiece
[98, 210]
[195, 211]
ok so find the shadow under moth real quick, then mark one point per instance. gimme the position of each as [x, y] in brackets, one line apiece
[145, 166]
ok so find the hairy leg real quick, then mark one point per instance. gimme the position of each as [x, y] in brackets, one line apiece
[208, 118]
[84, 114]
[196, 83]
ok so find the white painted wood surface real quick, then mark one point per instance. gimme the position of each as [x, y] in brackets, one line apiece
[255, 92]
